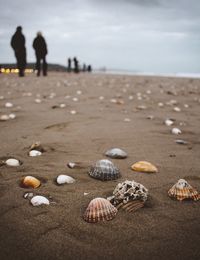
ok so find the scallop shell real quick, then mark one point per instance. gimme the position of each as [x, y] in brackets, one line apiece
[39, 200]
[12, 162]
[30, 182]
[183, 190]
[143, 166]
[104, 170]
[116, 153]
[131, 206]
[99, 209]
[62, 179]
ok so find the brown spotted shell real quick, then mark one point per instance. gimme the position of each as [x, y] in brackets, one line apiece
[183, 190]
[30, 182]
[99, 209]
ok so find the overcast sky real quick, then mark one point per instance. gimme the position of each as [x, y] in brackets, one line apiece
[141, 35]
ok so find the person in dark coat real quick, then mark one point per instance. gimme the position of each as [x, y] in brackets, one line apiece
[18, 45]
[40, 47]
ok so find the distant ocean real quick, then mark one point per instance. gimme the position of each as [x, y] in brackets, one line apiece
[124, 72]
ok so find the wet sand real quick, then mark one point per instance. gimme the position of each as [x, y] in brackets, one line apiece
[111, 111]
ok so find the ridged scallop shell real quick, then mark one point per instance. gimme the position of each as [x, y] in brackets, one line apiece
[116, 153]
[30, 182]
[143, 166]
[99, 209]
[104, 170]
[183, 190]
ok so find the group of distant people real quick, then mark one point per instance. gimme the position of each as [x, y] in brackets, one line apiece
[76, 68]
[40, 47]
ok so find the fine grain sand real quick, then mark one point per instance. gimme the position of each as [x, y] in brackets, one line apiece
[112, 111]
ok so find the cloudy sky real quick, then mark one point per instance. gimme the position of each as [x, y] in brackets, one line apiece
[161, 36]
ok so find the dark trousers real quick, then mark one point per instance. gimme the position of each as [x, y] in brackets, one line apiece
[38, 65]
[21, 62]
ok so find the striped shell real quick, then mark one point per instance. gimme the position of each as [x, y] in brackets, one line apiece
[116, 153]
[104, 170]
[144, 166]
[30, 182]
[99, 209]
[183, 190]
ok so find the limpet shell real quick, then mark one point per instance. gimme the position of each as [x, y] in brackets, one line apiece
[104, 170]
[62, 179]
[39, 200]
[143, 166]
[30, 182]
[183, 190]
[116, 153]
[99, 209]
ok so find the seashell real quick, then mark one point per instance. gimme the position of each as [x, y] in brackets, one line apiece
[38, 100]
[39, 200]
[12, 162]
[8, 104]
[143, 166]
[99, 209]
[128, 191]
[30, 182]
[177, 109]
[127, 120]
[4, 118]
[12, 116]
[169, 122]
[61, 179]
[176, 131]
[131, 206]
[37, 146]
[62, 105]
[116, 153]
[179, 141]
[28, 195]
[104, 170]
[34, 153]
[183, 190]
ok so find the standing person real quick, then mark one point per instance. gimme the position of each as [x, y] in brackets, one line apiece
[18, 45]
[76, 65]
[69, 68]
[40, 47]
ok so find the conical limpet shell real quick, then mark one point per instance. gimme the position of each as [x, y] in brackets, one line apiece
[30, 182]
[116, 153]
[39, 200]
[99, 209]
[143, 166]
[104, 170]
[183, 190]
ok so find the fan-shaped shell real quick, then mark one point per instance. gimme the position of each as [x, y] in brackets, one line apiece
[99, 209]
[31, 182]
[183, 190]
[116, 153]
[104, 170]
[143, 166]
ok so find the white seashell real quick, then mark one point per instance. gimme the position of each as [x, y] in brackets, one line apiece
[176, 131]
[160, 104]
[169, 122]
[130, 97]
[4, 118]
[113, 100]
[12, 162]
[12, 116]
[101, 98]
[34, 153]
[186, 105]
[78, 92]
[75, 99]
[1, 97]
[177, 109]
[73, 112]
[127, 120]
[37, 100]
[116, 153]
[39, 200]
[8, 104]
[28, 195]
[62, 105]
[86, 193]
[61, 179]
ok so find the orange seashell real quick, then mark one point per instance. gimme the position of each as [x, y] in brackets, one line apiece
[143, 166]
[99, 209]
[183, 190]
[30, 182]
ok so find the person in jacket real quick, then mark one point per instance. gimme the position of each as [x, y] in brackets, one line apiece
[40, 47]
[18, 45]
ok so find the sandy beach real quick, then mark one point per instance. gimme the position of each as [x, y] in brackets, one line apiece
[78, 118]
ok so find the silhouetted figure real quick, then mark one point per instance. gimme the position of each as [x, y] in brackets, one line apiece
[69, 67]
[89, 68]
[84, 67]
[18, 45]
[76, 66]
[40, 48]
